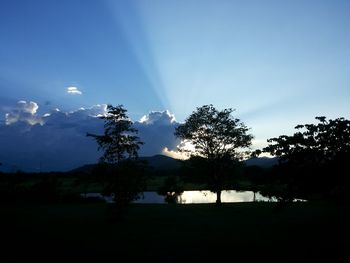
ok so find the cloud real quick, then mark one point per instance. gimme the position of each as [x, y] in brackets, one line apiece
[156, 130]
[23, 112]
[158, 118]
[57, 141]
[95, 111]
[175, 154]
[183, 150]
[73, 90]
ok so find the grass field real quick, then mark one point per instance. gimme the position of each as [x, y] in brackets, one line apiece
[173, 233]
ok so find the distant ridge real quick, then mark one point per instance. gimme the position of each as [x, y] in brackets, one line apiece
[262, 161]
[157, 162]
[162, 162]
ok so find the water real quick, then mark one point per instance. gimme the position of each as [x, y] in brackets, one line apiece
[191, 197]
[227, 196]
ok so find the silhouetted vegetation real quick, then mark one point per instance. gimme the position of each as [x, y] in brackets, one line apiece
[172, 188]
[119, 167]
[38, 188]
[313, 162]
[218, 139]
[118, 141]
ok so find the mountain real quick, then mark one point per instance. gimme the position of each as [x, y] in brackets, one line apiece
[162, 162]
[262, 161]
[158, 162]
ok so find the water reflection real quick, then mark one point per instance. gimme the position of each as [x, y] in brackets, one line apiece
[191, 197]
[150, 198]
[229, 196]
[205, 196]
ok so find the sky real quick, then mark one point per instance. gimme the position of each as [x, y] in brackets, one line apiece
[278, 63]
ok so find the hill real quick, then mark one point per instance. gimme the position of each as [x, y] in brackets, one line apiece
[157, 162]
[162, 162]
[262, 161]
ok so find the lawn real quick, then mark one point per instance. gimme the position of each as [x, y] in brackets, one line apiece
[172, 233]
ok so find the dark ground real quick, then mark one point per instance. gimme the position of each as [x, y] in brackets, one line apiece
[175, 233]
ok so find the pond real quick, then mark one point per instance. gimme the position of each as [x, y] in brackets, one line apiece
[191, 197]
[205, 196]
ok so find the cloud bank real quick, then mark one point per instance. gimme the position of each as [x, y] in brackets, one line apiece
[57, 141]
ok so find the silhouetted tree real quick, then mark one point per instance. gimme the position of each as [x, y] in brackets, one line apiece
[314, 158]
[172, 188]
[255, 175]
[120, 146]
[218, 139]
[118, 140]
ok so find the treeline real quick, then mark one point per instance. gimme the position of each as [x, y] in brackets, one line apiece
[36, 187]
[314, 161]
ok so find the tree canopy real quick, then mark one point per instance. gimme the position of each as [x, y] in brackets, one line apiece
[326, 141]
[218, 138]
[122, 176]
[119, 140]
[214, 134]
[314, 158]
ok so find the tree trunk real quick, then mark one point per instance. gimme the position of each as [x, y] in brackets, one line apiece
[218, 197]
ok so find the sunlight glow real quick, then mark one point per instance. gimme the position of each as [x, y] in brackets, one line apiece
[183, 152]
[235, 56]
[127, 18]
[175, 154]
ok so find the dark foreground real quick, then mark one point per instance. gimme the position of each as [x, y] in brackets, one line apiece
[175, 233]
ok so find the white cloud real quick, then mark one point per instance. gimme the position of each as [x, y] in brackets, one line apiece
[156, 130]
[158, 117]
[24, 112]
[30, 107]
[175, 154]
[94, 111]
[73, 90]
[183, 150]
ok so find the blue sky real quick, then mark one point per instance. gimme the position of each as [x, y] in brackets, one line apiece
[278, 63]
